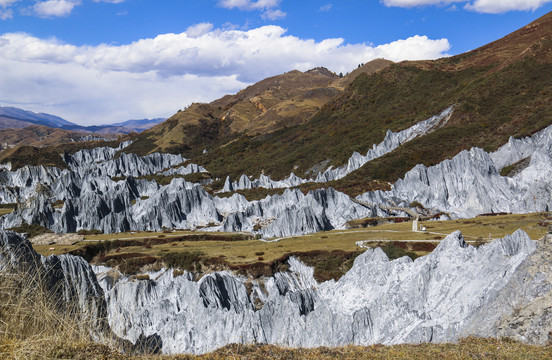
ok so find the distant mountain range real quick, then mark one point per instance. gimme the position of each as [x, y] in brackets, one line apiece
[12, 117]
[18, 127]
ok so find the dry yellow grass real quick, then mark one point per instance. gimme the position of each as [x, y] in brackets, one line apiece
[5, 211]
[243, 252]
[33, 317]
[469, 348]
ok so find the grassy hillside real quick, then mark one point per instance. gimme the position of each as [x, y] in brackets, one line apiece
[498, 91]
[513, 101]
[275, 103]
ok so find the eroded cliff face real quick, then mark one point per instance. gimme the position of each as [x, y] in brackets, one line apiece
[499, 289]
[93, 197]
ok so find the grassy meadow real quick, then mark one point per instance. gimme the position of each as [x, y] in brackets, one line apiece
[331, 253]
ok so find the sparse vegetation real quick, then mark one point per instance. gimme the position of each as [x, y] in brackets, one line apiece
[326, 251]
[37, 322]
[31, 230]
[514, 168]
[89, 232]
[6, 208]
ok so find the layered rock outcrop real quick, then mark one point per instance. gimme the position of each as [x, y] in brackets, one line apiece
[470, 183]
[109, 193]
[69, 279]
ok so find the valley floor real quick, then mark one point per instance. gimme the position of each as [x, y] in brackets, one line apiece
[331, 252]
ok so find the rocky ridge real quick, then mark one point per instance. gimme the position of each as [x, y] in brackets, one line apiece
[69, 278]
[470, 183]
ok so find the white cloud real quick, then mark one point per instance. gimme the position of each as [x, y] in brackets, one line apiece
[6, 3]
[496, 7]
[249, 4]
[55, 8]
[156, 77]
[269, 7]
[6, 14]
[274, 14]
[483, 6]
[325, 8]
[198, 30]
[412, 3]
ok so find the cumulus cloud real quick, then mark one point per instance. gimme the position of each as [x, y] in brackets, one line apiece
[496, 7]
[198, 30]
[157, 76]
[267, 6]
[55, 8]
[483, 6]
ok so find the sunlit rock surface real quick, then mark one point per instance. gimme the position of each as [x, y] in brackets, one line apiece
[499, 289]
[470, 183]
[70, 279]
[451, 293]
[109, 193]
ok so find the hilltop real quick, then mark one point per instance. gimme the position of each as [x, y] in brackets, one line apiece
[275, 103]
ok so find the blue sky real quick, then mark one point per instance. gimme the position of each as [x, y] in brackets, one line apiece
[102, 61]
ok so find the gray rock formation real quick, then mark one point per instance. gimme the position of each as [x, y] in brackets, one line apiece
[451, 293]
[470, 183]
[501, 288]
[69, 278]
[87, 197]
[391, 142]
[133, 205]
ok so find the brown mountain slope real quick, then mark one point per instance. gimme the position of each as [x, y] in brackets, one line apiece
[531, 40]
[37, 135]
[368, 68]
[277, 102]
[8, 122]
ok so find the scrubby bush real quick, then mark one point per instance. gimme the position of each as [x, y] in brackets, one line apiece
[31, 230]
